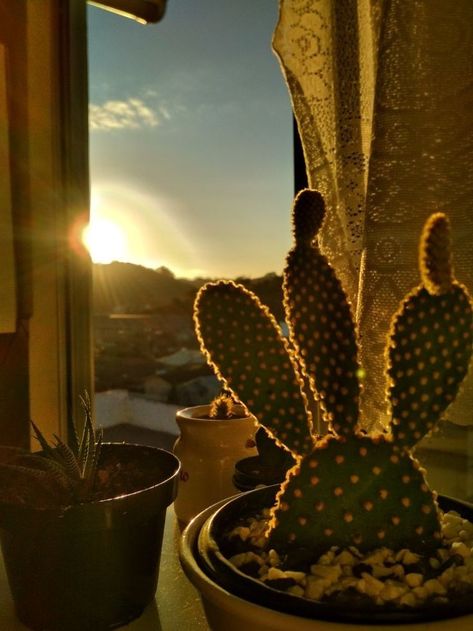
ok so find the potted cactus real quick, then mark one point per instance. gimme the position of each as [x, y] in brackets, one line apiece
[81, 526]
[212, 438]
[354, 533]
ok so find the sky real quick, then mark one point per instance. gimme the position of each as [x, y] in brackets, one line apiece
[190, 140]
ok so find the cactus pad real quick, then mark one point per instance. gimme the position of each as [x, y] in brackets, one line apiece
[307, 216]
[428, 359]
[320, 322]
[354, 491]
[252, 357]
[435, 255]
[431, 339]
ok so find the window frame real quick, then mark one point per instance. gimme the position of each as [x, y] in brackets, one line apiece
[60, 356]
[60, 341]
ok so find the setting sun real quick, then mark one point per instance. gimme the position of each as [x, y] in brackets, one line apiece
[105, 240]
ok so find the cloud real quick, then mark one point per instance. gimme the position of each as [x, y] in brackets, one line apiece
[130, 114]
[165, 113]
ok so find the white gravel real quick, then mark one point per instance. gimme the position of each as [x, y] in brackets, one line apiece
[383, 575]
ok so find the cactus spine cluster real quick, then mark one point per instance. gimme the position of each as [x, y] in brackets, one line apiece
[347, 487]
[222, 407]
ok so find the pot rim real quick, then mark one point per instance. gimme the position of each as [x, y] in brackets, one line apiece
[208, 587]
[116, 503]
[250, 472]
[241, 464]
[215, 567]
[157, 450]
[189, 414]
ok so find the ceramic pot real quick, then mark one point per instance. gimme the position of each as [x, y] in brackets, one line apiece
[208, 450]
[232, 602]
[270, 466]
[252, 472]
[94, 565]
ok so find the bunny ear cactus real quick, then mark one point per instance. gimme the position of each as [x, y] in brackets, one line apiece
[244, 344]
[348, 487]
[355, 489]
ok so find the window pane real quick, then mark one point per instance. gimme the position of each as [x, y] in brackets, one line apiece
[191, 170]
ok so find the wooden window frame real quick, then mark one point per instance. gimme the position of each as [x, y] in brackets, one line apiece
[60, 356]
[60, 339]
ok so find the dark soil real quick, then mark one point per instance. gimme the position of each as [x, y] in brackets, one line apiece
[120, 474]
[231, 417]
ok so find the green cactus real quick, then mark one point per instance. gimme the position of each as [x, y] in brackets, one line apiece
[430, 344]
[222, 407]
[347, 487]
[244, 344]
[60, 474]
[319, 318]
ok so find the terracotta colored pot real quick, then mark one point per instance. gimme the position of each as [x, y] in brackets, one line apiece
[90, 566]
[208, 450]
[232, 601]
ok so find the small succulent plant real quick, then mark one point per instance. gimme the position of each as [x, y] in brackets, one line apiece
[222, 407]
[59, 474]
[348, 487]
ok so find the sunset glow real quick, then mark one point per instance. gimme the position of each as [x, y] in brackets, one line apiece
[130, 225]
[192, 161]
[105, 240]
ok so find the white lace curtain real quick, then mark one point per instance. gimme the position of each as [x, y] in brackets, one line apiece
[383, 94]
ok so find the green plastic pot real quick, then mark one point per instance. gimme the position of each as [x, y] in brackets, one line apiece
[90, 566]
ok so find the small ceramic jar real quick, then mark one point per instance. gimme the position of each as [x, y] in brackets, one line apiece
[208, 450]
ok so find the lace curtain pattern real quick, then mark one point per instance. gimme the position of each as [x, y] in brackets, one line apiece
[382, 91]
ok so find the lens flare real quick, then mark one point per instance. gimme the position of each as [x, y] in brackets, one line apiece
[105, 240]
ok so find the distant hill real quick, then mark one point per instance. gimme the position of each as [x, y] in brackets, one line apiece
[128, 288]
[268, 288]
